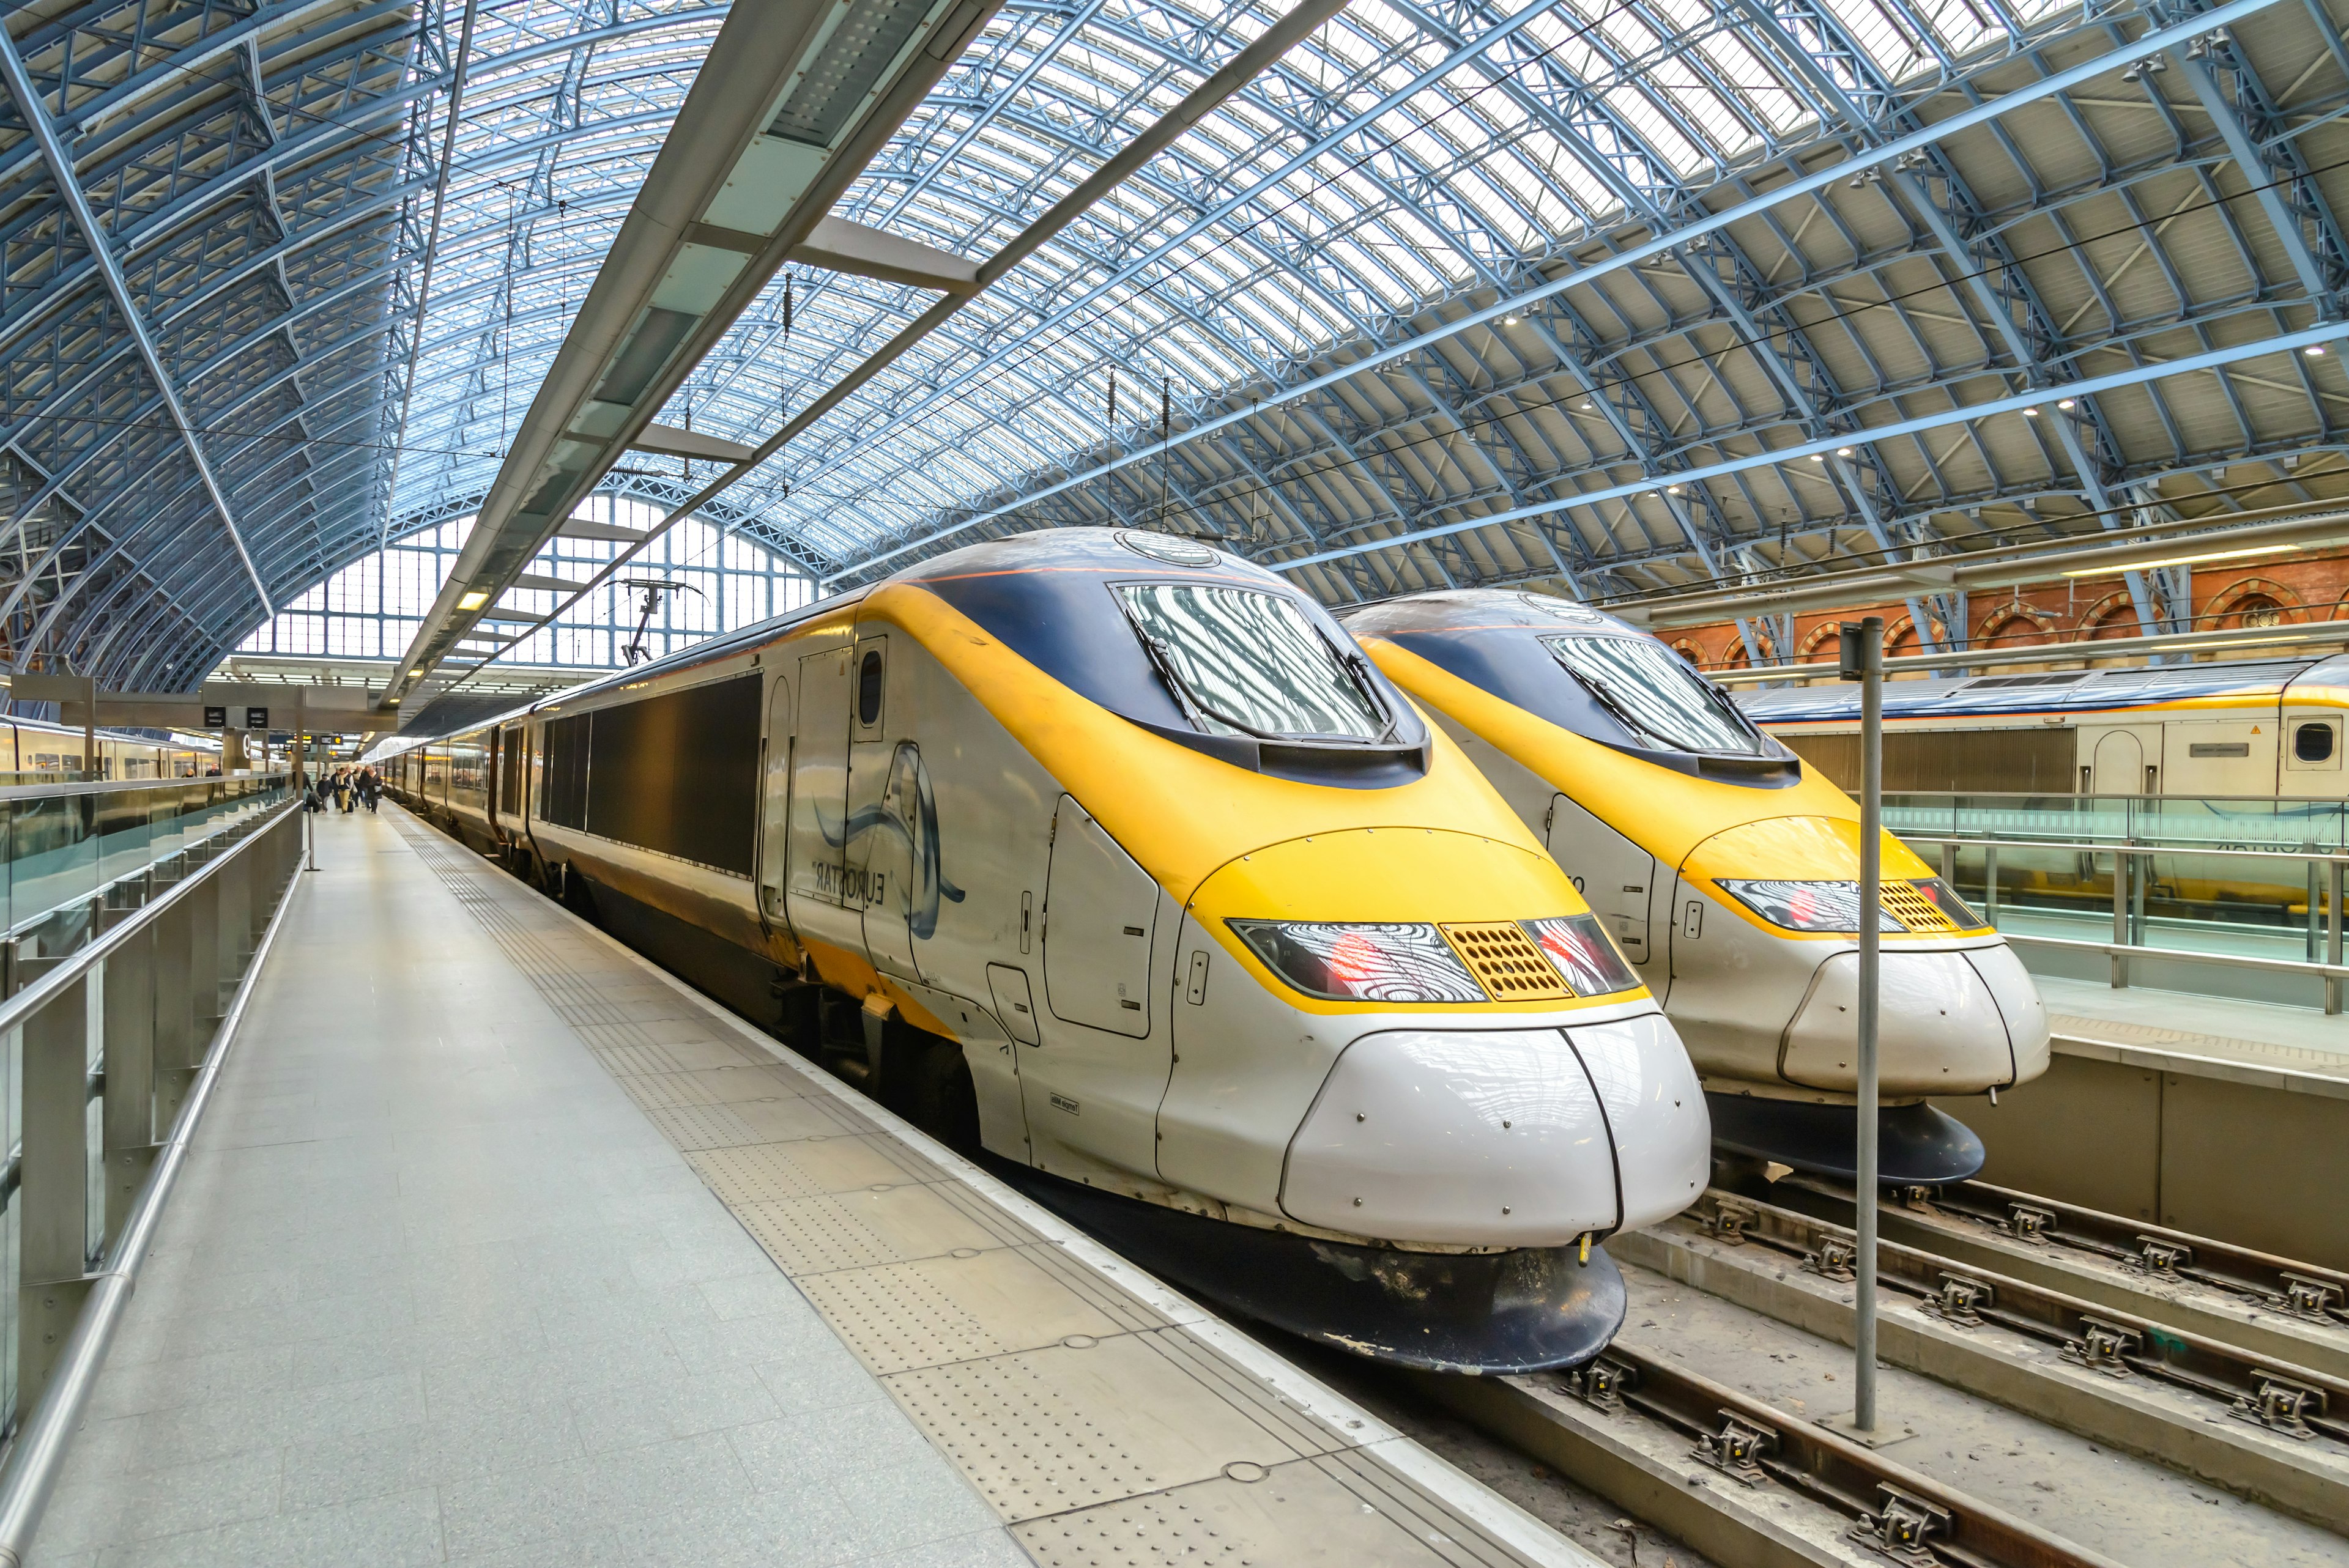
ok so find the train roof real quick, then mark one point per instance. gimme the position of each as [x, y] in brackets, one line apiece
[1037, 549]
[2062, 691]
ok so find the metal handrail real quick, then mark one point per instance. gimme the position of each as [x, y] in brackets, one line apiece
[2335, 972]
[2099, 847]
[74, 967]
[29, 1472]
[120, 785]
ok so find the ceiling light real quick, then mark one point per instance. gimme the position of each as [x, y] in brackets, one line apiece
[1586, 407]
[2315, 351]
[2030, 413]
[1818, 457]
[1843, 451]
[2247, 550]
[473, 598]
[1671, 490]
[1508, 321]
[2066, 403]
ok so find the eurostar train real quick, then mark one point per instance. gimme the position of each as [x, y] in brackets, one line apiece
[2270, 728]
[1111, 858]
[1730, 873]
[32, 750]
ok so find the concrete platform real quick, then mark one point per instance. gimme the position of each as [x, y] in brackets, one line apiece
[499, 1246]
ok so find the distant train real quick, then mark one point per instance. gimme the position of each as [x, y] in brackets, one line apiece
[2269, 728]
[1731, 872]
[32, 747]
[1111, 859]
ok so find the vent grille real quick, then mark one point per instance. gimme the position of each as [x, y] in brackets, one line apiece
[1506, 962]
[1912, 908]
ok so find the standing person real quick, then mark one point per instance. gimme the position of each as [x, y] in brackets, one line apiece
[342, 790]
[370, 787]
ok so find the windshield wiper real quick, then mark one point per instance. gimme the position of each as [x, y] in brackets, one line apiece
[1615, 706]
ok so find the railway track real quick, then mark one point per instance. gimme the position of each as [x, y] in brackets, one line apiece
[1743, 1481]
[2273, 1307]
[1739, 1479]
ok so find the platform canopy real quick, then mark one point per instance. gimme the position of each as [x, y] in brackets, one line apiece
[1605, 296]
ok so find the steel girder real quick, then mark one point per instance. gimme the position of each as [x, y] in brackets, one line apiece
[1323, 269]
[2093, 462]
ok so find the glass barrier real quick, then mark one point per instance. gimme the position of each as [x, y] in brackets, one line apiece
[2258, 906]
[64, 842]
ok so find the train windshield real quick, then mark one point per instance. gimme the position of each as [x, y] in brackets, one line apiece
[1250, 663]
[1651, 691]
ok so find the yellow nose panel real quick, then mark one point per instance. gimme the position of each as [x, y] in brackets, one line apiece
[1506, 962]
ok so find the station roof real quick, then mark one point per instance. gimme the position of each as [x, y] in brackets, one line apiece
[1611, 296]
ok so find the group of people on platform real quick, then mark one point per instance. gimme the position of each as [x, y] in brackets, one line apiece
[345, 789]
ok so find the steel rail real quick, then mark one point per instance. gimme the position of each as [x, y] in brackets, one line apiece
[2309, 1293]
[39, 1451]
[2303, 1290]
[1894, 1511]
[2292, 1400]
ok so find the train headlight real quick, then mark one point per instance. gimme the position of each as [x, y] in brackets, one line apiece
[1361, 963]
[1808, 905]
[1583, 954]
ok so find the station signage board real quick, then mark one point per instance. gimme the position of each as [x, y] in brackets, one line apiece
[215, 718]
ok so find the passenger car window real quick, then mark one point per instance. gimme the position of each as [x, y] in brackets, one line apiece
[2312, 742]
[1250, 663]
[1651, 691]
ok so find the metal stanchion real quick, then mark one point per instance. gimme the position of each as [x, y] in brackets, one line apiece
[1863, 661]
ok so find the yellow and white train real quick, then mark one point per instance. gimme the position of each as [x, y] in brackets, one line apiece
[1729, 872]
[1112, 856]
[2269, 728]
[32, 750]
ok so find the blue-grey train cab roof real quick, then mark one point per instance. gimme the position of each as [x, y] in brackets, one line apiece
[1502, 640]
[2062, 691]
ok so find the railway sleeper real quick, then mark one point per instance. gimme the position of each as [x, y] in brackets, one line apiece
[2272, 1432]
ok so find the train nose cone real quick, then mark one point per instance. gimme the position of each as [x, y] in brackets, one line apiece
[1501, 1138]
[1940, 1029]
[1663, 1134]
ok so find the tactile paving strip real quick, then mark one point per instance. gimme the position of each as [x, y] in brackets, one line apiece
[1102, 1433]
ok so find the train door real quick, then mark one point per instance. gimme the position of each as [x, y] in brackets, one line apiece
[775, 800]
[1099, 908]
[2121, 761]
[1615, 876]
[879, 849]
[1098, 1066]
[816, 890]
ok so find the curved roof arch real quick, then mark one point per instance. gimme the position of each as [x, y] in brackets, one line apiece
[1448, 297]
